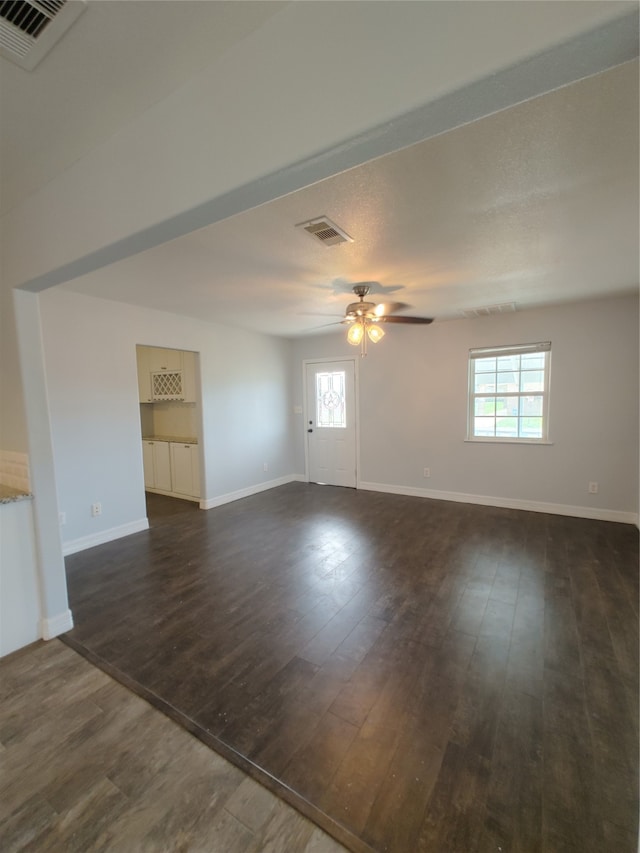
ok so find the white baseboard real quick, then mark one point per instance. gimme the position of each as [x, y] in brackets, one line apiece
[103, 536]
[56, 625]
[210, 503]
[507, 503]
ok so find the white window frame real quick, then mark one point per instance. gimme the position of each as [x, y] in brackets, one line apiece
[496, 352]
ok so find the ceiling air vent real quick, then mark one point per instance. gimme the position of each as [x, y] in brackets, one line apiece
[30, 28]
[326, 231]
[485, 311]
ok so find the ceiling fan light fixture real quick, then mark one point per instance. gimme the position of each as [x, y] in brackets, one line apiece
[360, 309]
[375, 332]
[355, 334]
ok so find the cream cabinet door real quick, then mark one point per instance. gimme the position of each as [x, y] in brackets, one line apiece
[147, 464]
[157, 465]
[164, 359]
[162, 465]
[184, 469]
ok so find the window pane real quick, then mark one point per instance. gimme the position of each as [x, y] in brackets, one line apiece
[532, 380]
[530, 427]
[507, 382]
[533, 361]
[484, 427]
[330, 408]
[485, 406]
[507, 427]
[485, 382]
[509, 362]
[484, 365]
[530, 406]
[507, 406]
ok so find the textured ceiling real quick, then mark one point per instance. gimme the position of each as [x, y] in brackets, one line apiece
[534, 205]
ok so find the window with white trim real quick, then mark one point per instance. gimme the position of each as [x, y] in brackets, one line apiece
[509, 393]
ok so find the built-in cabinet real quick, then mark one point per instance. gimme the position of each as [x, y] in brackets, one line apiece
[170, 454]
[166, 374]
[171, 468]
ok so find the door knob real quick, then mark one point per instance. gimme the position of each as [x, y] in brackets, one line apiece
[309, 430]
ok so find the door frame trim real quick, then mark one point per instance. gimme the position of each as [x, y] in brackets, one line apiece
[356, 403]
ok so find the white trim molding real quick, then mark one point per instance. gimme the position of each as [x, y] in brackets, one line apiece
[211, 503]
[84, 542]
[507, 503]
[56, 625]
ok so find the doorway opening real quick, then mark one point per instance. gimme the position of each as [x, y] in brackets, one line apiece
[170, 423]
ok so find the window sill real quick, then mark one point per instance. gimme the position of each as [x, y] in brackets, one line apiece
[529, 443]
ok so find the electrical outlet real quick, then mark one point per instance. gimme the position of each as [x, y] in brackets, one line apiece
[265, 467]
[96, 509]
[62, 518]
[593, 488]
[427, 472]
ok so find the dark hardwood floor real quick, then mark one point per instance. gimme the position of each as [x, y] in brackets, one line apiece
[414, 675]
[161, 509]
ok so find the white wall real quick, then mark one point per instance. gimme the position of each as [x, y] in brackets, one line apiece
[19, 602]
[93, 399]
[413, 410]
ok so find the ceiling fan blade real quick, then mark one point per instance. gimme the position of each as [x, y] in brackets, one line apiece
[382, 309]
[397, 319]
[324, 326]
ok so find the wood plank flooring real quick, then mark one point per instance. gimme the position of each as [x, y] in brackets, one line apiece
[414, 675]
[86, 765]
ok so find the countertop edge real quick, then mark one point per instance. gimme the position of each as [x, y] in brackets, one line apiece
[12, 496]
[173, 439]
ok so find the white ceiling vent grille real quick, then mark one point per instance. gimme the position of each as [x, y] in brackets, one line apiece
[30, 28]
[325, 231]
[485, 311]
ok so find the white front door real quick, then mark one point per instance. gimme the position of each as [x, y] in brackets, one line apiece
[331, 422]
